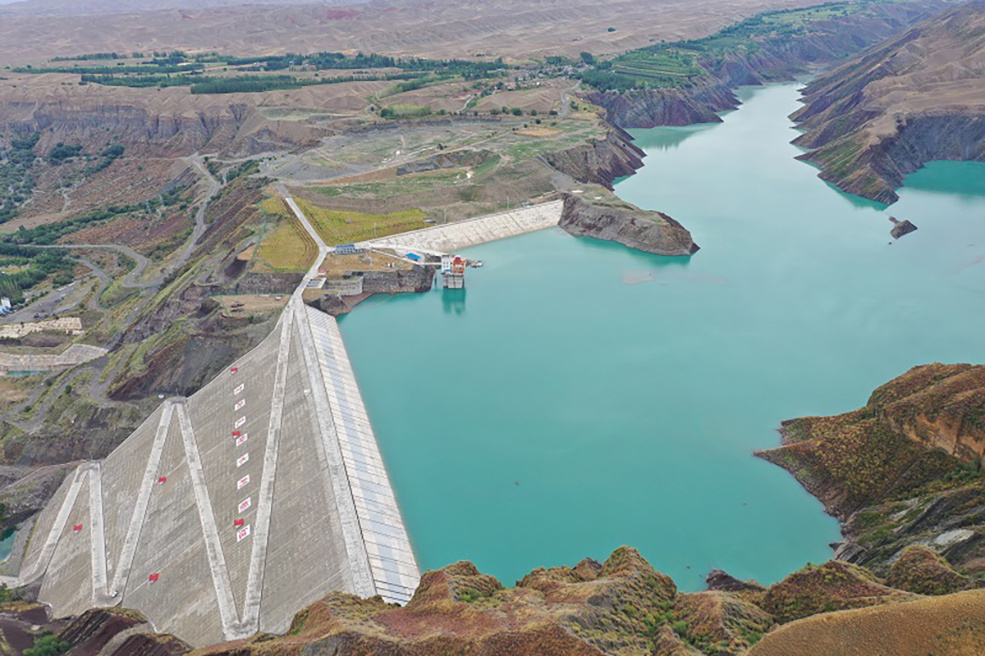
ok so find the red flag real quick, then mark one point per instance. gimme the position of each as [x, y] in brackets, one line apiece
[236, 433]
[238, 522]
[233, 370]
[153, 577]
[162, 479]
[77, 528]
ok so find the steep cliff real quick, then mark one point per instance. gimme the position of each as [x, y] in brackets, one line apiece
[160, 123]
[651, 232]
[920, 97]
[646, 108]
[600, 161]
[781, 57]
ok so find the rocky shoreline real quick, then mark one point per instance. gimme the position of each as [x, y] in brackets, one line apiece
[903, 471]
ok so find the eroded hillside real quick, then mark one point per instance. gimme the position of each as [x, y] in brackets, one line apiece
[917, 98]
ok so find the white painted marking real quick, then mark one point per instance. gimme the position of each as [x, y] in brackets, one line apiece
[143, 500]
[245, 504]
[242, 533]
[243, 482]
[242, 460]
[239, 388]
[240, 422]
[239, 404]
[97, 536]
[213, 548]
[258, 556]
[241, 439]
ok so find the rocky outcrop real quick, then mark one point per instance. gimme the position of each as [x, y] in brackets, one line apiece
[589, 609]
[225, 124]
[901, 228]
[887, 112]
[601, 161]
[724, 582]
[650, 232]
[921, 570]
[931, 420]
[823, 588]
[28, 495]
[118, 632]
[718, 622]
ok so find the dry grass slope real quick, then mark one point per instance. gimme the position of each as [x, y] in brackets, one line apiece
[938, 626]
[286, 247]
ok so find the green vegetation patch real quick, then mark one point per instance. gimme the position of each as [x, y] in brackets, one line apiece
[17, 179]
[212, 73]
[343, 226]
[34, 266]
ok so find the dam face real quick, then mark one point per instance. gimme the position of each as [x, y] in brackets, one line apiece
[225, 513]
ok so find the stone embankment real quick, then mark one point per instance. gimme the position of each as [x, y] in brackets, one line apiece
[73, 355]
[67, 325]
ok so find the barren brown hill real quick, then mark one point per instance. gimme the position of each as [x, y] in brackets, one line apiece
[917, 98]
[437, 28]
[944, 625]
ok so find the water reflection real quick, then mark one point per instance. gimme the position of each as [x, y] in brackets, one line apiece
[962, 179]
[453, 301]
[669, 138]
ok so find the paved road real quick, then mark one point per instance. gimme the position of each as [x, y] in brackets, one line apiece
[44, 307]
[213, 188]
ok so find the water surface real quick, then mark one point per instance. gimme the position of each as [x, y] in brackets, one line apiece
[584, 396]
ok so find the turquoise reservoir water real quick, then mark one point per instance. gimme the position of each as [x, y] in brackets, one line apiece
[584, 396]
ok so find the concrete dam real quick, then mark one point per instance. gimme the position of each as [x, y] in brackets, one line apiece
[227, 512]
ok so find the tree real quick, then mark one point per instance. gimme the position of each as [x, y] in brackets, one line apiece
[47, 644]
[588, 58]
